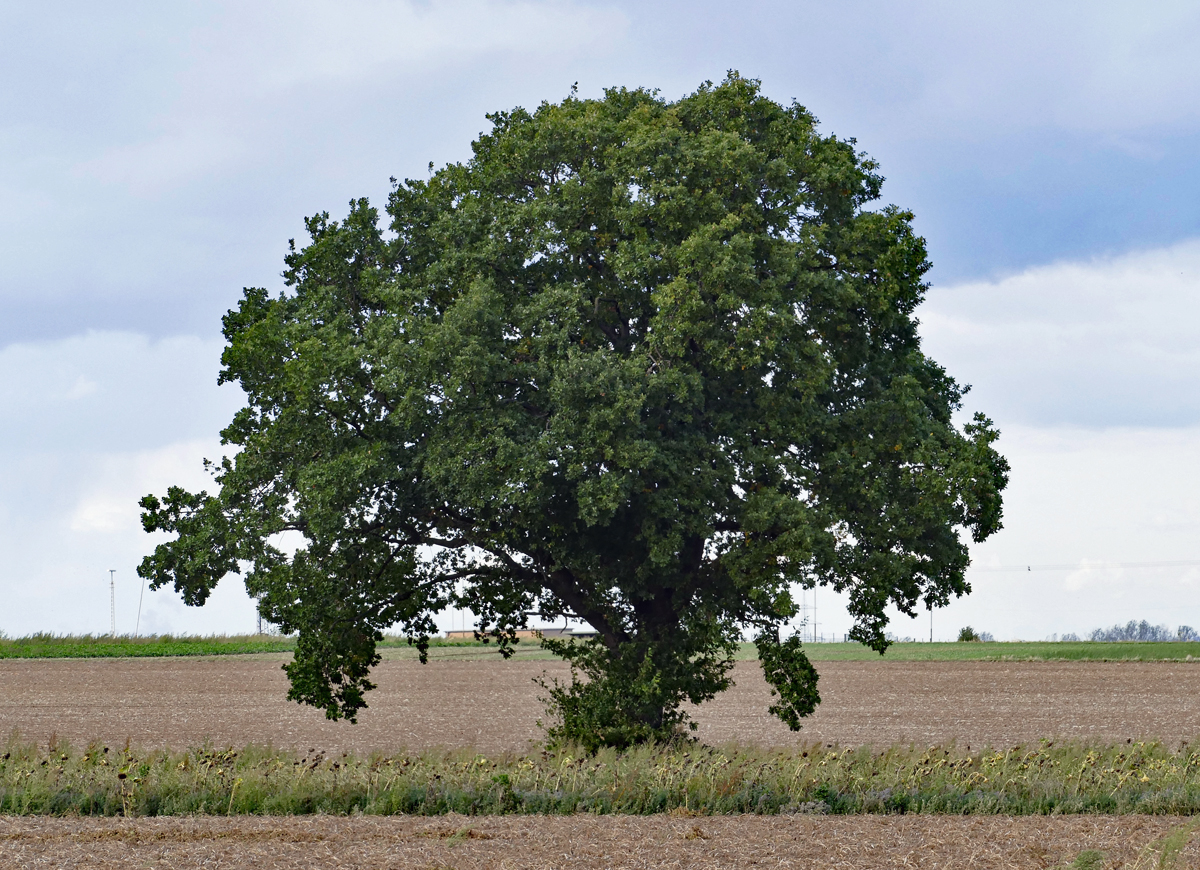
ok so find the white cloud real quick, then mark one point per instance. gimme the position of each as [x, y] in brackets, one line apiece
[99, 514]
[283, 45]
[1094, 499]
[82, 387]
[252, 60]
[246, 74]
[1093, 572]
[194, 147]
[111, 391]
[1110, 67]
[68, 516]
[92, 423]
[1105, 342]
[157, 156]
[107, 499]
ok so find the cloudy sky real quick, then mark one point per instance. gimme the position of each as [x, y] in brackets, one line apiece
[155, 159]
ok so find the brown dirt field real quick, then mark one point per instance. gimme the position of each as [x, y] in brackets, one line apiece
[493, 705]
[583, 841]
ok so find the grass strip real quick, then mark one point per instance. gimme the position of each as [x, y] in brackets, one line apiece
[39, 646]
[689, 779]
[1011, 651]
[105, 646]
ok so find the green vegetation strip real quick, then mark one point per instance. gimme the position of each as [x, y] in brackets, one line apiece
[43, 646]
[1049, 778]
[89, 646]
[1122, 651]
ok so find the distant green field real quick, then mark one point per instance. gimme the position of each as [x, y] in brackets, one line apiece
[1017, 651]
[41, 646]
[104, 646]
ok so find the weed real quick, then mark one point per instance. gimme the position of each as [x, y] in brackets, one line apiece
[1163, 854]
[686, 780]
[1088, 860]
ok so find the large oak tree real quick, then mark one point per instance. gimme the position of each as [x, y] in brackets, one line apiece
[652, 365]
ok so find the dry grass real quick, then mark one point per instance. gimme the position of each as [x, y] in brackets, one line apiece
[1050, 779]
[582, 842]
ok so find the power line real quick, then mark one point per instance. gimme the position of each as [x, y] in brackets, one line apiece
[1075, 566]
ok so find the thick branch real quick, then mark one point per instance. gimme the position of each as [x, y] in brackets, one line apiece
[563, 584]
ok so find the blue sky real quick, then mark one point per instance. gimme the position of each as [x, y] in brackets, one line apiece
[156, 158]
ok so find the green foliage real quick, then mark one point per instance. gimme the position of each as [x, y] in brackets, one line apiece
[1049, 778]
[968, 635]
[647, 364]
[792, 677]
[632, 694]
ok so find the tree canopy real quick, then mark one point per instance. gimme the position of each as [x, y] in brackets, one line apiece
[652, 365]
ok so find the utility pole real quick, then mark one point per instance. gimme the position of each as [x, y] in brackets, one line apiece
[112, 601]
[803, 612]
[138, 625]
[931, 625]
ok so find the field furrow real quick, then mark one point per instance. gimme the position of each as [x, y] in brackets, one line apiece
[493, 706]
[582, 842]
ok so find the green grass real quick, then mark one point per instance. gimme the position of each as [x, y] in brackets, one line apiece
[122, 646]
[1043, 779]
[125, 646]
[1015, 651]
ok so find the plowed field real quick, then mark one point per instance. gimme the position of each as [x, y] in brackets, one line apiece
[494, 706]
[582, 841]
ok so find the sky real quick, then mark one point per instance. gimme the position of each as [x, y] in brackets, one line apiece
[156, 158]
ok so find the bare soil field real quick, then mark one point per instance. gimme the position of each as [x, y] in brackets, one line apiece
[583, 841]
[494, 706]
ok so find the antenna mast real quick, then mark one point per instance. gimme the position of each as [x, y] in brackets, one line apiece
[814, 609]
[112, 601]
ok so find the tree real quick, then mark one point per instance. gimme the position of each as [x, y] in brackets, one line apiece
[648, 364]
